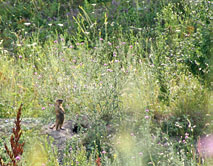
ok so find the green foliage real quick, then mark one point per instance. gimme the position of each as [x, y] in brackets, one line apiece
[182, 39]
[141, 67]
[3, 152]
[77, 156]
[39, 151]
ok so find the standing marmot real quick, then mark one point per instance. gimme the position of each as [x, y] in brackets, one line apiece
[59, 110]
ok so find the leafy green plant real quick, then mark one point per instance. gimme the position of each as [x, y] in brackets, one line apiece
[39, 150]
[139, 70]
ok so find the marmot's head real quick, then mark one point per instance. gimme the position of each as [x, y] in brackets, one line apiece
[59, 101]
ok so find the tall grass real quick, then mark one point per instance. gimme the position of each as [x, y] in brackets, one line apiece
[140, 71]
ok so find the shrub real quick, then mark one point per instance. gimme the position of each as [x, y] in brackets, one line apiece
[190, 99]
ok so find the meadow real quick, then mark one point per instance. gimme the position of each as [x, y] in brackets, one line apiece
[141, 71]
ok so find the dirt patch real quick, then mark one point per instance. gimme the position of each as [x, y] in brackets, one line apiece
[60, 137]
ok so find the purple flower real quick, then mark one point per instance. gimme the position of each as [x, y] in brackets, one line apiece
[62, 59]
[101, 39]
[123, 43]
[105, 64]
[109, 70]
[18, 158]
[56, 41]
[140, 153]
[131, 46]
[43, 108]
[115, 3]
[116, 61]
[103, 152]
[146, 117]
[20, 56]
[109, 43]
[71, 46]
[147, 110]
[205, 146]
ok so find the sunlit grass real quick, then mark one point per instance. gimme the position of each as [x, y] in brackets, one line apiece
[139, 70]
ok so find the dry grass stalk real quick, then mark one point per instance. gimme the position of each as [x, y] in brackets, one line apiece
[16, 147]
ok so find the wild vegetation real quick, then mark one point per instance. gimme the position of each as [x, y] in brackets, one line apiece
[141, 71]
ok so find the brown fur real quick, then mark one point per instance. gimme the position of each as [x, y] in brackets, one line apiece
[59, 115]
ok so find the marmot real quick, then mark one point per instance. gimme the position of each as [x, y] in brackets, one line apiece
[59, 110]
